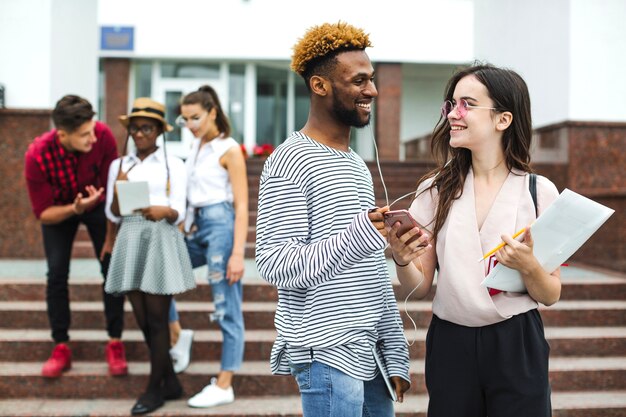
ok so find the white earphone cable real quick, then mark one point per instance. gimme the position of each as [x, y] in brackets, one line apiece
[380, 171]
[406, 311]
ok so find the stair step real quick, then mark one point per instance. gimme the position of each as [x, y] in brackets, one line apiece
[83, 249]
[90, 289]
[256, 289]
[90, 379]
[35, 345]
[586, 341]
[28, 345]
[564, 404]
[260, 315]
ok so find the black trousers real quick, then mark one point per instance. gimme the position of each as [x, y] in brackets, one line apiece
[499, 370]
[58, 240]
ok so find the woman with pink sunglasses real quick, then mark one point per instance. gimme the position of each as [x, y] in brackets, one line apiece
[486, 353]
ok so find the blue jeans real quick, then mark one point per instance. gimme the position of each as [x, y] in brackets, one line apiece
[328, 392]
[212, 245]
[173, 314]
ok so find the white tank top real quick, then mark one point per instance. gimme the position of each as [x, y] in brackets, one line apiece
[207, 180]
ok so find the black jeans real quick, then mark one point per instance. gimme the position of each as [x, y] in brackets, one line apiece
[58, 240]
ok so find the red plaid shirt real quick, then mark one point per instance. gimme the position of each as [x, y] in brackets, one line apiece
[55, 176]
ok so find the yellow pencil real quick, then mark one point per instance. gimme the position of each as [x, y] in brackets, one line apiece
[500, 246]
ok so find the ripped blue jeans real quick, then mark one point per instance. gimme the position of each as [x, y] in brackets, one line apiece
[211, 245]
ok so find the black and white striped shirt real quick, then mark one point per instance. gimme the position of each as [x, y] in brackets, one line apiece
[317, 245]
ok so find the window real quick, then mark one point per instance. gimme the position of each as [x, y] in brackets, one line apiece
[302, 103]
[237, 107]
[189, 70]
[143, 79]
[172, 110]
[271, 115]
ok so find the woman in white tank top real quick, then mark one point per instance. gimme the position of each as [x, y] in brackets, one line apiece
[217, 228]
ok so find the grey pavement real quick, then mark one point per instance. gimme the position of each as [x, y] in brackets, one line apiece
[89, 268]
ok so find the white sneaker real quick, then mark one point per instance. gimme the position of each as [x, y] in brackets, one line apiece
[181, 352]
[211, 396]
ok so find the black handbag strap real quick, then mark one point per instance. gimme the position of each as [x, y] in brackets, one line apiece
[532, 186]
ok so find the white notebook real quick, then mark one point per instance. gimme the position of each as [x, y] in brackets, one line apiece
[132, 195]
[559, 232]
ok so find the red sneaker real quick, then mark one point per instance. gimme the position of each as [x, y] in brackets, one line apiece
[116, 358]
[60, 360]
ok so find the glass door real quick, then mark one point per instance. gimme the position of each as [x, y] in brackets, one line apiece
[170, 92]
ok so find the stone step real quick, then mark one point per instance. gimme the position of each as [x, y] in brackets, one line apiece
[88, 345]
[83, 249]
[82, 235]
[90, 379]
[28, 345]
[564, 404]
[255, 289]
[90, 289]
[260, 315]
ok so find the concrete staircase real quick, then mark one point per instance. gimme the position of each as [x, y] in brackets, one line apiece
[586, 331]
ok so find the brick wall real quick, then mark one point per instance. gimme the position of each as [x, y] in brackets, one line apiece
[116, 82]
[595, 157]
[389, 85]
[20, 233]
[588, 158]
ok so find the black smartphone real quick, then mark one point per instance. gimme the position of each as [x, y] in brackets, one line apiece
[407, 222]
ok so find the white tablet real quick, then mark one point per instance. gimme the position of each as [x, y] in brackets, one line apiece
[384, 373]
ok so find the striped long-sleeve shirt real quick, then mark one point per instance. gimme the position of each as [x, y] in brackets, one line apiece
[316, 244]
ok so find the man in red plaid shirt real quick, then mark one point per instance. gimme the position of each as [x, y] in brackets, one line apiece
[66, 172]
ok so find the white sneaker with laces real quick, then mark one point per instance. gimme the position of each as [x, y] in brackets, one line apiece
[181, 352]
[211, 396]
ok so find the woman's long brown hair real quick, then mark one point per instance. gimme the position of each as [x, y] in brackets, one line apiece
[509, 93]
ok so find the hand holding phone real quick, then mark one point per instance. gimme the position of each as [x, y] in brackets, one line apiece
[407, 222]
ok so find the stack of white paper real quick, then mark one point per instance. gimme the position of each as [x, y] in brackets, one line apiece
[563, 228]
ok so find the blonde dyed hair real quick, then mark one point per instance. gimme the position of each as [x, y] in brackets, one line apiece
[324, 39]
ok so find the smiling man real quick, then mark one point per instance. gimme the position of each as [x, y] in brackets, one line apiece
[66, 173]
[318, 243]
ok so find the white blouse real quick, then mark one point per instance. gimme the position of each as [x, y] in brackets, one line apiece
[208, 181]
[153, 170]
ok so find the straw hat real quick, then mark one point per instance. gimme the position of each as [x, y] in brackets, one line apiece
[146, 107]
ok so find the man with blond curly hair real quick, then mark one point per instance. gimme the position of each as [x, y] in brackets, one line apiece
[318, 241]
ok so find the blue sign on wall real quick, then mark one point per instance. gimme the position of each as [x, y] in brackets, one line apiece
[117, 38]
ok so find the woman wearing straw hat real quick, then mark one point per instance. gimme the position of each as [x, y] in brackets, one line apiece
[150, 262]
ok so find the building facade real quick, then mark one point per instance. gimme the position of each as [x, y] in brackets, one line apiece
[569, 51]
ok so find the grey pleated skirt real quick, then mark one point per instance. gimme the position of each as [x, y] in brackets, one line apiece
[150, 257]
